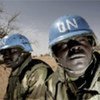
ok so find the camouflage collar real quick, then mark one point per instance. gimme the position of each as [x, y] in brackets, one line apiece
[20, 68]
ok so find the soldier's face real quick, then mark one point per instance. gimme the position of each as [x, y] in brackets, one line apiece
[74, 55]
[12, 57]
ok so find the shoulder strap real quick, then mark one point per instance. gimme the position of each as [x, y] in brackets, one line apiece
[32, 64]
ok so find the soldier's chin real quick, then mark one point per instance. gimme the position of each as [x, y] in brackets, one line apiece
[75, 74]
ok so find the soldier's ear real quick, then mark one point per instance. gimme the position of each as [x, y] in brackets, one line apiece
[91, 41]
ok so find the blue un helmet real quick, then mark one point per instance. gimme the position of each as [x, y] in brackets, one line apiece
[67, 27]
[14, 41]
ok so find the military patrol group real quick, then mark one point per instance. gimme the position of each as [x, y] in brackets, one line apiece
[77, 77]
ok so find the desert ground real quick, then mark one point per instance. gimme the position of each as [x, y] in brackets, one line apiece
[5, 72]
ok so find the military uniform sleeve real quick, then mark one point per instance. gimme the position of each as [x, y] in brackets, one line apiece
[34, 82]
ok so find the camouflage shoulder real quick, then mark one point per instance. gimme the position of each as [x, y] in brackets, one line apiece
[57, 76]
[38, 71]
[37, 65]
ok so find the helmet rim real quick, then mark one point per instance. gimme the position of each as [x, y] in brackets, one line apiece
[72, 34]
[15, 41]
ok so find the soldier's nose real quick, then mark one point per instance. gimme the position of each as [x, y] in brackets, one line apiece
[75, 48]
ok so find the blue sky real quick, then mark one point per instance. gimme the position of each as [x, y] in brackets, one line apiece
[36, 17]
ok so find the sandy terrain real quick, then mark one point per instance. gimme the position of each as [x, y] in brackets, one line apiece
[5, 72]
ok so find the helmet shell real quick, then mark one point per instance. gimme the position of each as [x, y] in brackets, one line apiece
[15, 41]
[68, 26]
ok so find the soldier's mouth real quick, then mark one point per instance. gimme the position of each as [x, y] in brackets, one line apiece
[7, 62]
[77, 56]
[77, 71]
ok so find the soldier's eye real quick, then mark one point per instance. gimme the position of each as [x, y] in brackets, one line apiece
[62, 47]
[82, 40]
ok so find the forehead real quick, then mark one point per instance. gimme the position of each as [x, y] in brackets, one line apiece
[11, 50]
[72, 40]
[79, 38]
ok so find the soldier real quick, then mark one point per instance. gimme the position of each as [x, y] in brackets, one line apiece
[77, 77]
[27, 75]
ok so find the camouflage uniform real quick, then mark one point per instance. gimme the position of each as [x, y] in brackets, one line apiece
[86, 87]
[25, 83]
[37, 83]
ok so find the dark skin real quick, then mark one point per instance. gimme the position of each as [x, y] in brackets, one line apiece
[74, 55]
[13, 57]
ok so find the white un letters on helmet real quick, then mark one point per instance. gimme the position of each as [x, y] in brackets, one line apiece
[63, 27]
